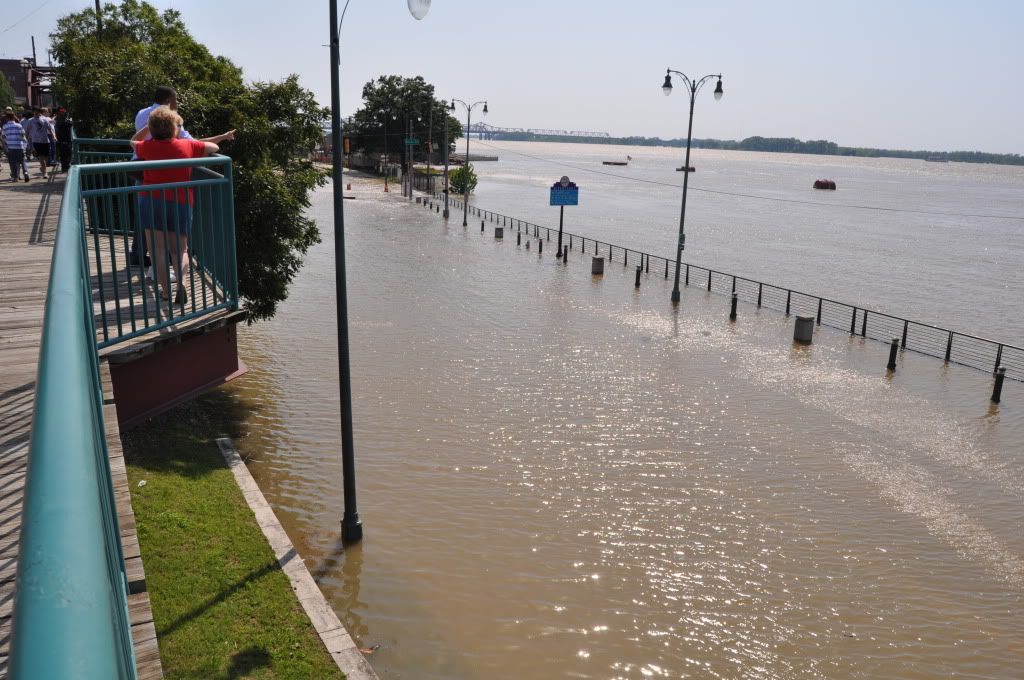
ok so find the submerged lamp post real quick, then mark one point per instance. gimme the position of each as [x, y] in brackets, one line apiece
[465, 194]
[693, 86]
[351, 527]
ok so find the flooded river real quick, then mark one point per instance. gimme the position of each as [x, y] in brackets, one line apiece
[560, 476]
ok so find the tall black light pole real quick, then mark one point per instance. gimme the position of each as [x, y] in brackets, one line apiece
[430, 144]
[694, 87]
[387, 158]
[351, 527]
[465, 194]
[446, 164]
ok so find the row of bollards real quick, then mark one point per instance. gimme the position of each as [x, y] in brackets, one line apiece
[803, 329]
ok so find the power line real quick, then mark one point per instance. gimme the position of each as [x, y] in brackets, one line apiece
[754, 196]
[45, 3]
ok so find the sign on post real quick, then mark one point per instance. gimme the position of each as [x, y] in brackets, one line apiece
[412, 142]
[564, 192]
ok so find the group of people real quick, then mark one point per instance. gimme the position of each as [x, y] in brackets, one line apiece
[164, 221]
[48, 139]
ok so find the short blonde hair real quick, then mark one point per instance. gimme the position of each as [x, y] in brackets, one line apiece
[163, 123]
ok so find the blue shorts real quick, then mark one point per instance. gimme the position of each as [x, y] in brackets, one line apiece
[156, 214]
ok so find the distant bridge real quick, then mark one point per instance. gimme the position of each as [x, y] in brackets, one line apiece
[485, 131]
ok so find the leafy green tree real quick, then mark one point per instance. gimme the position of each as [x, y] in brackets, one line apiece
[6, 93]
[105, 78]
[389, 103]
[462, 180]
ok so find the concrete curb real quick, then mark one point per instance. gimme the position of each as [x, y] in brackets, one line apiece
[334, 636]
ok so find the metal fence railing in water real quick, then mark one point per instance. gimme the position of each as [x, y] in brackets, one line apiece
[118, 211]
[71, 609]
[949, 345]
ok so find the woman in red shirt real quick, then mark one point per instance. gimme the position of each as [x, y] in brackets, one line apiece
[167, 213]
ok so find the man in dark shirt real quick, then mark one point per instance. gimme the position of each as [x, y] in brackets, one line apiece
[62, 125]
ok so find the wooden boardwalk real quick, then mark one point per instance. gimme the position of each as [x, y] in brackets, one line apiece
[28, 223]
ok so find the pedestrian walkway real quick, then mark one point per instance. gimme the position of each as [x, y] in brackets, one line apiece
[28, 225]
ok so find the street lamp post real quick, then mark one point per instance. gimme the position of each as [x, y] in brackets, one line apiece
[387, 158]
[465, 194]
[446, 165]
[430, 144]
[351, 527]
[693, 86]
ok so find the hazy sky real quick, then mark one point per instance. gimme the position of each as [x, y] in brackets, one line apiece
[933, 75]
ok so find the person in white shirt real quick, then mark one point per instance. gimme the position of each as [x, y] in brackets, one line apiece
[40, 132]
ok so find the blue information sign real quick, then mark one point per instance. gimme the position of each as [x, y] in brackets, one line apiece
[565, 193]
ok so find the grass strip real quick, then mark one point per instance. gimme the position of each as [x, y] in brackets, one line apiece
[222, 606]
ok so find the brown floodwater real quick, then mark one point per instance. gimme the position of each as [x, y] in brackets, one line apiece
[561, 476]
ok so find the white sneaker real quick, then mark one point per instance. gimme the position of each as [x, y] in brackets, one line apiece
[149, 273]
[174, 279]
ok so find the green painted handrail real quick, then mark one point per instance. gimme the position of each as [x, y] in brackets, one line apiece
[109, 196]
[70, 610]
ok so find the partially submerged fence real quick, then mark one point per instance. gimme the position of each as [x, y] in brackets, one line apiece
[946, 344]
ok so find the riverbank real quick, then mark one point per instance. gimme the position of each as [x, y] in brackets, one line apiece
[222, 606]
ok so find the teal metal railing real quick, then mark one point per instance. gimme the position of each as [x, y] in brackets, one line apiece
[128, 302]
[86, 150]
[71, 610]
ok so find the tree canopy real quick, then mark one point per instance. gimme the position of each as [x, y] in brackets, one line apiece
[6, 93]
[105, 77]
[390, 102]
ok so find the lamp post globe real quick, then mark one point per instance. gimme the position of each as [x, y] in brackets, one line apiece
[419, 8]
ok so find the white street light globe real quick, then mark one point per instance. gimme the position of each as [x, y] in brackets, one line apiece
[419, 8]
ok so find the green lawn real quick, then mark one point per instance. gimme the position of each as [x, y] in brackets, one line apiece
[222, 606]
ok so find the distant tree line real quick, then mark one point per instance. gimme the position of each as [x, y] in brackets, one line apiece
[777, 145]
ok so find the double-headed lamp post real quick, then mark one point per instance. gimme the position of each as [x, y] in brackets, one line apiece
[694, 87]
[351, 527]
[465, 194]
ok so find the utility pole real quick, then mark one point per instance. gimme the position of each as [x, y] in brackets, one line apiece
[99, 18]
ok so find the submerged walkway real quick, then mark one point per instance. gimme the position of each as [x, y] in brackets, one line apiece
[28, 226]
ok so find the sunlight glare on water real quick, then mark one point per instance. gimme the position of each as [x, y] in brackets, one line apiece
[559, 476]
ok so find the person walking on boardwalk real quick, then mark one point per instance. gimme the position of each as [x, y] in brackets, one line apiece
[15, 142]
[52, 156]
[62, 125]
[166, 215]
[40, 132]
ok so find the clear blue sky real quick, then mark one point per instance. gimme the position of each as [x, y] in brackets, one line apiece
[937, 75]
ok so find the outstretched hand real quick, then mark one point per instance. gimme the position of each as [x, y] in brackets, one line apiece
[228, 136]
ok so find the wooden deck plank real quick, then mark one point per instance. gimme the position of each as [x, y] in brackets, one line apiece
[27, 227]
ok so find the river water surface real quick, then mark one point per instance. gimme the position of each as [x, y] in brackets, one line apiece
[560, 476]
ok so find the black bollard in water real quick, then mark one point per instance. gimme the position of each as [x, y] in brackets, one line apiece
[481, 225]
[519, 238]
[893, 349]
[732, 311]
[997, 389]
[565, 255]
[540, 247]
[636, 283]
